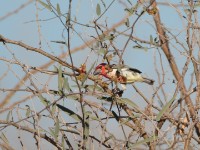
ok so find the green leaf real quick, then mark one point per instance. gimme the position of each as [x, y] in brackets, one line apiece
[102, 51]
[74, 97]
[45, 5]
[140, 47]
[116, 116]
[145, 49]
[164, 109]
[132, 10]
[86, 125]
[86, 76]
[55, 69]
[70, 112]
[151, 40]
[4, 138]
[129, 2]
[95, 118]
[53, 108]
[150, 139]
[86, 130]
[75, 19]
[66, 84]
[57, 128]
[102, 37]
[43, 100]
[88, 114]
[8, 116]
[60, 79]
[98, 10]
[67, 22]
[108, 99]
[187, 11]
[93, 87]
[58, 10]
[52, 132]
[137, 46]
[126, 120]
[108, 138]
[28, 111]
[197, 5]
[155, 39]
[63, 142]
[127, 23]
[109, 37]
[127, 102]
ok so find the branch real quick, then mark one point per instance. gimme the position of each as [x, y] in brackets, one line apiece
[165, 47]
[16, 10]
[38, 50]
[85, 45]
[44, 136]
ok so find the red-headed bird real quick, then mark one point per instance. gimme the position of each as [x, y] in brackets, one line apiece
[121, 74]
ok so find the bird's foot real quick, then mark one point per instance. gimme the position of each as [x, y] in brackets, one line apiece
[117, 91]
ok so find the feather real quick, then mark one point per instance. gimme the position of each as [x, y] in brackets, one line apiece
[148, 81]
[135, 70]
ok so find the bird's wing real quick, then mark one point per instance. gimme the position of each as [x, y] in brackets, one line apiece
[134, 70]
[125, 68]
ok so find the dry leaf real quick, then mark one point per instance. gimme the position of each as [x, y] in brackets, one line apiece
[184, 121]
[152, 11]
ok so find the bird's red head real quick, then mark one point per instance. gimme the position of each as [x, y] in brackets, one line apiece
[101, 69]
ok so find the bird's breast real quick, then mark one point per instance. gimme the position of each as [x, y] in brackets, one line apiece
[112, 74]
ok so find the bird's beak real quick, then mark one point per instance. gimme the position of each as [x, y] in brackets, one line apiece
[97, 72]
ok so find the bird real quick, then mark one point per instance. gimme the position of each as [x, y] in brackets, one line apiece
[122, 74]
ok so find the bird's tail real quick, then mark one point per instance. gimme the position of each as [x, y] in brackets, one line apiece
[148, 81]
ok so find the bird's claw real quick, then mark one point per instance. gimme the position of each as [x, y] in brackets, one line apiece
[117, 91]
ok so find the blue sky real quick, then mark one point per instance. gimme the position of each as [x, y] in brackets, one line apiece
[23, 27]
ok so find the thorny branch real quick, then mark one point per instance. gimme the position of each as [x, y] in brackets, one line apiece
[142, 122]
[165, 47]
